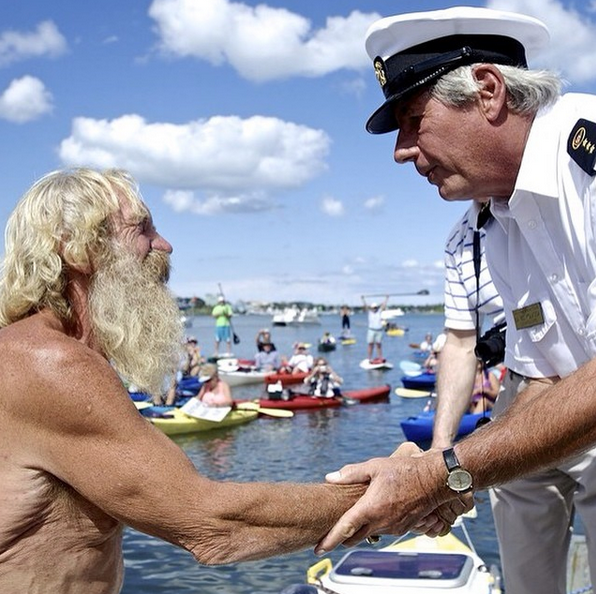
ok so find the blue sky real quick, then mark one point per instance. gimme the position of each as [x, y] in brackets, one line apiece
[244, 124]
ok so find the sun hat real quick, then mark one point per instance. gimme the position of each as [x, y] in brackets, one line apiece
[413, 49]
[207, 371]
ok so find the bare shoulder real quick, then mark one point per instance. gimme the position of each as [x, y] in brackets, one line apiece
[42, 368]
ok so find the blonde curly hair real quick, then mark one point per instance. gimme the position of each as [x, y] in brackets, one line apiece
[62, 222]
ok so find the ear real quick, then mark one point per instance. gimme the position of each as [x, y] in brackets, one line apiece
[492, 93]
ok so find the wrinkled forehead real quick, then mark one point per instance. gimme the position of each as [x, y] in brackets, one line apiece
[132, 210]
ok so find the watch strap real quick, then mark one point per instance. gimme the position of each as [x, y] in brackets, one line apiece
[450, 459]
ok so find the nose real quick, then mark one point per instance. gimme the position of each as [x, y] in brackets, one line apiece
[161, 244]
[405, 148]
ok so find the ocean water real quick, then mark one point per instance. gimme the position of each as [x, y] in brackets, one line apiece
[303, 448]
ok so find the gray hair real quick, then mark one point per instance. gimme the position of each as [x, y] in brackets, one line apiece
[528, 90]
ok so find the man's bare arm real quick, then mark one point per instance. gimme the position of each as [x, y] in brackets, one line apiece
[533, 434]
[455, 382]
[83, 429]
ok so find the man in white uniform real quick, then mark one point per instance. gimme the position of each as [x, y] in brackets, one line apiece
[475, 122]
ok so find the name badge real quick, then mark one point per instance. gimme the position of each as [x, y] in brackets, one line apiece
[526, 317]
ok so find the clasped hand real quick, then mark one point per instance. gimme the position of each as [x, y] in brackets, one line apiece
[403, 495]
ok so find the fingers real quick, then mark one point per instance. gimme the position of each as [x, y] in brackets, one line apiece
[440, 521]
[408, 448]
[351, 473]
[344, 529]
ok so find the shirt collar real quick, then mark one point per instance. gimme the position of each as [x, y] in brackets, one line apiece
[538, 170]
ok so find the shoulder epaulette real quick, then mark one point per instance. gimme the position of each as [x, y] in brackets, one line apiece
[581, 145]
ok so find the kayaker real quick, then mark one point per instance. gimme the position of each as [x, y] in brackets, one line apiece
[323, 381]
[301, 361]
[214, 391]
[267, 359]
[263, 337]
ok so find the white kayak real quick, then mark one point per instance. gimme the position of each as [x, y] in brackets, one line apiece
[370, 364]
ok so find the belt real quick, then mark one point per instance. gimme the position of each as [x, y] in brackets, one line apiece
[550, 381]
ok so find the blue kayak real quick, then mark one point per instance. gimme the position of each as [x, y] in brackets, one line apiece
[419, 428]
[422, 381]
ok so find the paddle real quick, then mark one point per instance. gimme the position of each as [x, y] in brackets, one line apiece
[410, 393]
[270, 412]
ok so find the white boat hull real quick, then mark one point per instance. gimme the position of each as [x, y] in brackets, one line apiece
[419, 565]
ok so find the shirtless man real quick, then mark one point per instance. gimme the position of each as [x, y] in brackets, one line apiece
[83, 285]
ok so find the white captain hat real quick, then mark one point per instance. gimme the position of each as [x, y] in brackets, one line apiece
[413, 49]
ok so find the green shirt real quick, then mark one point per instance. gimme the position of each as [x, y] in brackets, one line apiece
[222, 313]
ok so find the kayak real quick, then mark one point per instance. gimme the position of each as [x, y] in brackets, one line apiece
[326, 347]
[298, 401]
[286, 379]
[417, 564]
[423, 381]
[395, 331]
[419, 428]
[243, 377]
[175, 422]
[409, 393]
[370, 364]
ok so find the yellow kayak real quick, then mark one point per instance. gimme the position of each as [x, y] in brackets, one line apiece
[175, 422]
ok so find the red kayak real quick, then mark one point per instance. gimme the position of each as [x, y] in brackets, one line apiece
[305, 401]
[286, 379]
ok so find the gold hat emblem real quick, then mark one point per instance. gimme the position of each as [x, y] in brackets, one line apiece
[380, 71]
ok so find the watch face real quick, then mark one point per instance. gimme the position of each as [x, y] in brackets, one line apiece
[459, 480]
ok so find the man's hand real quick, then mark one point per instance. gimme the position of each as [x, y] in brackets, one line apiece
[397, 500]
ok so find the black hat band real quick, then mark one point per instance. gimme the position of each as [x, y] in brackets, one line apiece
[420, 64]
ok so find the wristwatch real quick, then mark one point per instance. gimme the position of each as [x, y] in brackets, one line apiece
[458, 479]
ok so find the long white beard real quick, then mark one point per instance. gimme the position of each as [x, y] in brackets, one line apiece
[135, 319]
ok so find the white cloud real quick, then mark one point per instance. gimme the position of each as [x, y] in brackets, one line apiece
[235, 163]
[571, 50]
[374, 202]
[332, 207]
[24, 100]
[183, 200]
[261, 42]
[46, 40]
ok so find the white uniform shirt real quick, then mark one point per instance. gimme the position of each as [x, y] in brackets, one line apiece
[541, 248]
[461, 297]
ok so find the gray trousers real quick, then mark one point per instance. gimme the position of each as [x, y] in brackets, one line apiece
[534, 516]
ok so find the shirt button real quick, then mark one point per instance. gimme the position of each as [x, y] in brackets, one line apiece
[532, 224]
[581, 331]
[554, 277]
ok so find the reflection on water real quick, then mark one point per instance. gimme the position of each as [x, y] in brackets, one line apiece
[303, 449]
